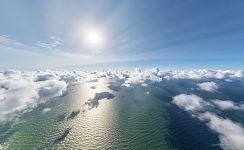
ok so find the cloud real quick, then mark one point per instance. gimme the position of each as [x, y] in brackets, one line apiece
[144, 84]
[201, 74]
[45, 76]
[208, 86]
[138, 76]
[92, 80]
[231, 134]
[23, 91]
[51, 88]
[126, 85]
[46, 110]
[227, 105]
[189, 102]
[7, 41]
[16, 95]
[53, 43]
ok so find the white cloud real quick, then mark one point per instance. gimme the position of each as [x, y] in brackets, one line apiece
[228, 80]
[227, 105]
[7, 41]
[53, 43]
[43, 76]
[201, 74]
[144, 84]
[189, 102]
[138, 76]
[126, 85]
[51, 88]
[208, 86]
[24, 90]
[45, 110]
[21, 92]
[231, 134]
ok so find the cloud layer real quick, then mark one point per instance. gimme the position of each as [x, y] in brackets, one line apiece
[24, 90]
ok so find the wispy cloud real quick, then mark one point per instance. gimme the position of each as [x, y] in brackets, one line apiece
[53, 43]
[7, 41]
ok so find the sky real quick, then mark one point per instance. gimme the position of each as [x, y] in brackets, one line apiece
[83, 34]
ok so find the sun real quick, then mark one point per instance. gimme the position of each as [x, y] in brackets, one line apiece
[94, 38]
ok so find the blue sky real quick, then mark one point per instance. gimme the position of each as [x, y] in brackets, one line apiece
[170, 34]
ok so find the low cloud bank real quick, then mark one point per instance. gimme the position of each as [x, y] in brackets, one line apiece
[231, 134]
[22, 91]
[202, 74]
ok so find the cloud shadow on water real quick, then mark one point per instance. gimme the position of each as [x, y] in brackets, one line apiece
[94, 102]
[62, 136]
[73, 114]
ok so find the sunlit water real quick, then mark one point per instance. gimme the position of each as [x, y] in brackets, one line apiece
[136, 117]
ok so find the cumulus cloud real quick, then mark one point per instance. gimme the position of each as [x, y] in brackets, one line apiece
[22, 91]
[208, 86]
[202, 74]
[189, 102]
[45, 76]
[126, 85]
[231, 134]
[51, 88]
[16, 95]
[138, 76]
[227, 105]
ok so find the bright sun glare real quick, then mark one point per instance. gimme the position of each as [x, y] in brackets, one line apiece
[94, 38]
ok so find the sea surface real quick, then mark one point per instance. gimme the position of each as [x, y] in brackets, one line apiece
[107, 115]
